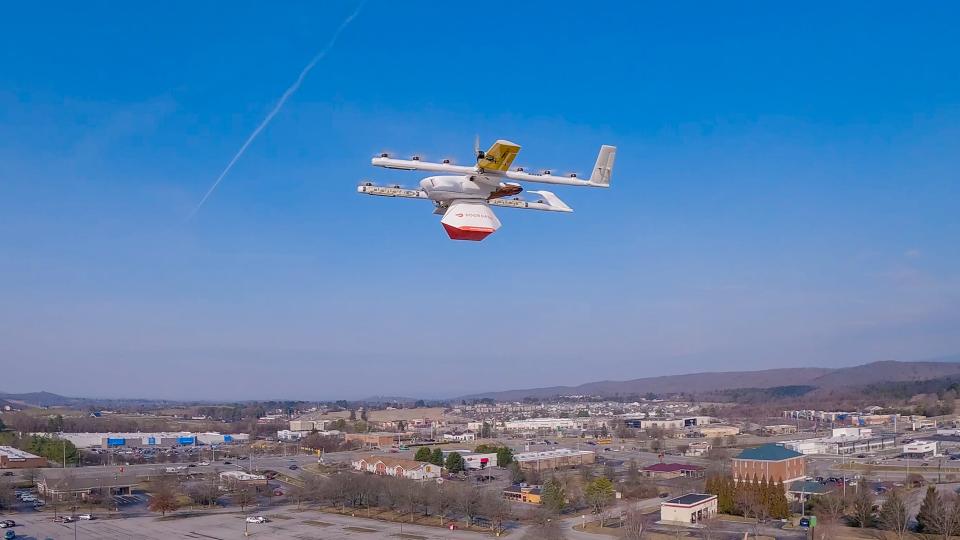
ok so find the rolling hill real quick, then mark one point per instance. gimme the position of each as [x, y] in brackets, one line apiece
[874, 372]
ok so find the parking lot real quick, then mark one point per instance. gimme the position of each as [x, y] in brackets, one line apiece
[284, 522]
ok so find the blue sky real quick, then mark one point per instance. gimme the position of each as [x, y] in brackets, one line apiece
[785, 194]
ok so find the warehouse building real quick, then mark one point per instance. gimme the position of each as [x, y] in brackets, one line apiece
[562, 458]
[13, 458]
[844, 441]
[543, 425]
[688, 509]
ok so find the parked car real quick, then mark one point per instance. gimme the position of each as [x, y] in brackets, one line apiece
[293, 467]
[85, 517]
[203, 463]
[7, 523]
[256, 519]
[9, 535]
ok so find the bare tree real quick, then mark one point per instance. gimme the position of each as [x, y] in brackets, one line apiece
[633, 525]
[164, 495]
[943, 518]
[831, 508]
[244, 496]
[497, 509]
[895, 515]
[466, 500]
[545, 526]
[862, 507]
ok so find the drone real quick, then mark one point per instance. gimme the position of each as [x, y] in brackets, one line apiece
[465, 194]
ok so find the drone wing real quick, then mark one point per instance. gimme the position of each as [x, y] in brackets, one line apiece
[600, 177]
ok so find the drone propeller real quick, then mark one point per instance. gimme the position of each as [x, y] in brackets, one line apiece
[476, 148]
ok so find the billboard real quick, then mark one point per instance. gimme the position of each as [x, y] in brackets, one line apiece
[151, 440]
[116, 442]
[228, 438]
[186, 440]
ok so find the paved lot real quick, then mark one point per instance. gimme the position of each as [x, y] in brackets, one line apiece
[284, 523]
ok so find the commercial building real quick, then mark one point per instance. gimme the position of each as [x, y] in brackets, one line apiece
[232, 479]
[401, 468]
[697, 449]
[688, 509]
[673, 470]
[844, 441]
[61, 485]
[779, 429]
[542, 425]
[770, 461]
[474, 460]
[134, 440]
[379, 439]
[13, 458]
[921, 449]
[676, 424]
[717, 430]
[525, 493]
[561, 458]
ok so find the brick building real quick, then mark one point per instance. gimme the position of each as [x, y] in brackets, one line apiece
[12, 458]
[769, 461]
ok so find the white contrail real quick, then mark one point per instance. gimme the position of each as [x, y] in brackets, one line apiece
[273, 112]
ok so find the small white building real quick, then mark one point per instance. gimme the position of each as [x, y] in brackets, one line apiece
[460, 437]
[921, 449]
[290, 436]
[473, 460]
[688, 509]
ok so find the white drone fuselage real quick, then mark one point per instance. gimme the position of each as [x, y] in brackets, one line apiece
[465, 194]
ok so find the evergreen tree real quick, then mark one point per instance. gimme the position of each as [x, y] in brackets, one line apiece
[436, 457]
[504, 456]
[455, 462]
[928, 510]
[779, 507]
[423, 454]
[554, 497]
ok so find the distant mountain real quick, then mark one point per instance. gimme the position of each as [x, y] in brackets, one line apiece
[875, 372]
[37, 399]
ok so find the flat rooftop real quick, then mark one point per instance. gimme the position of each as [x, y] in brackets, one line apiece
[16, 453]
[550, 454]
[691, 499]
